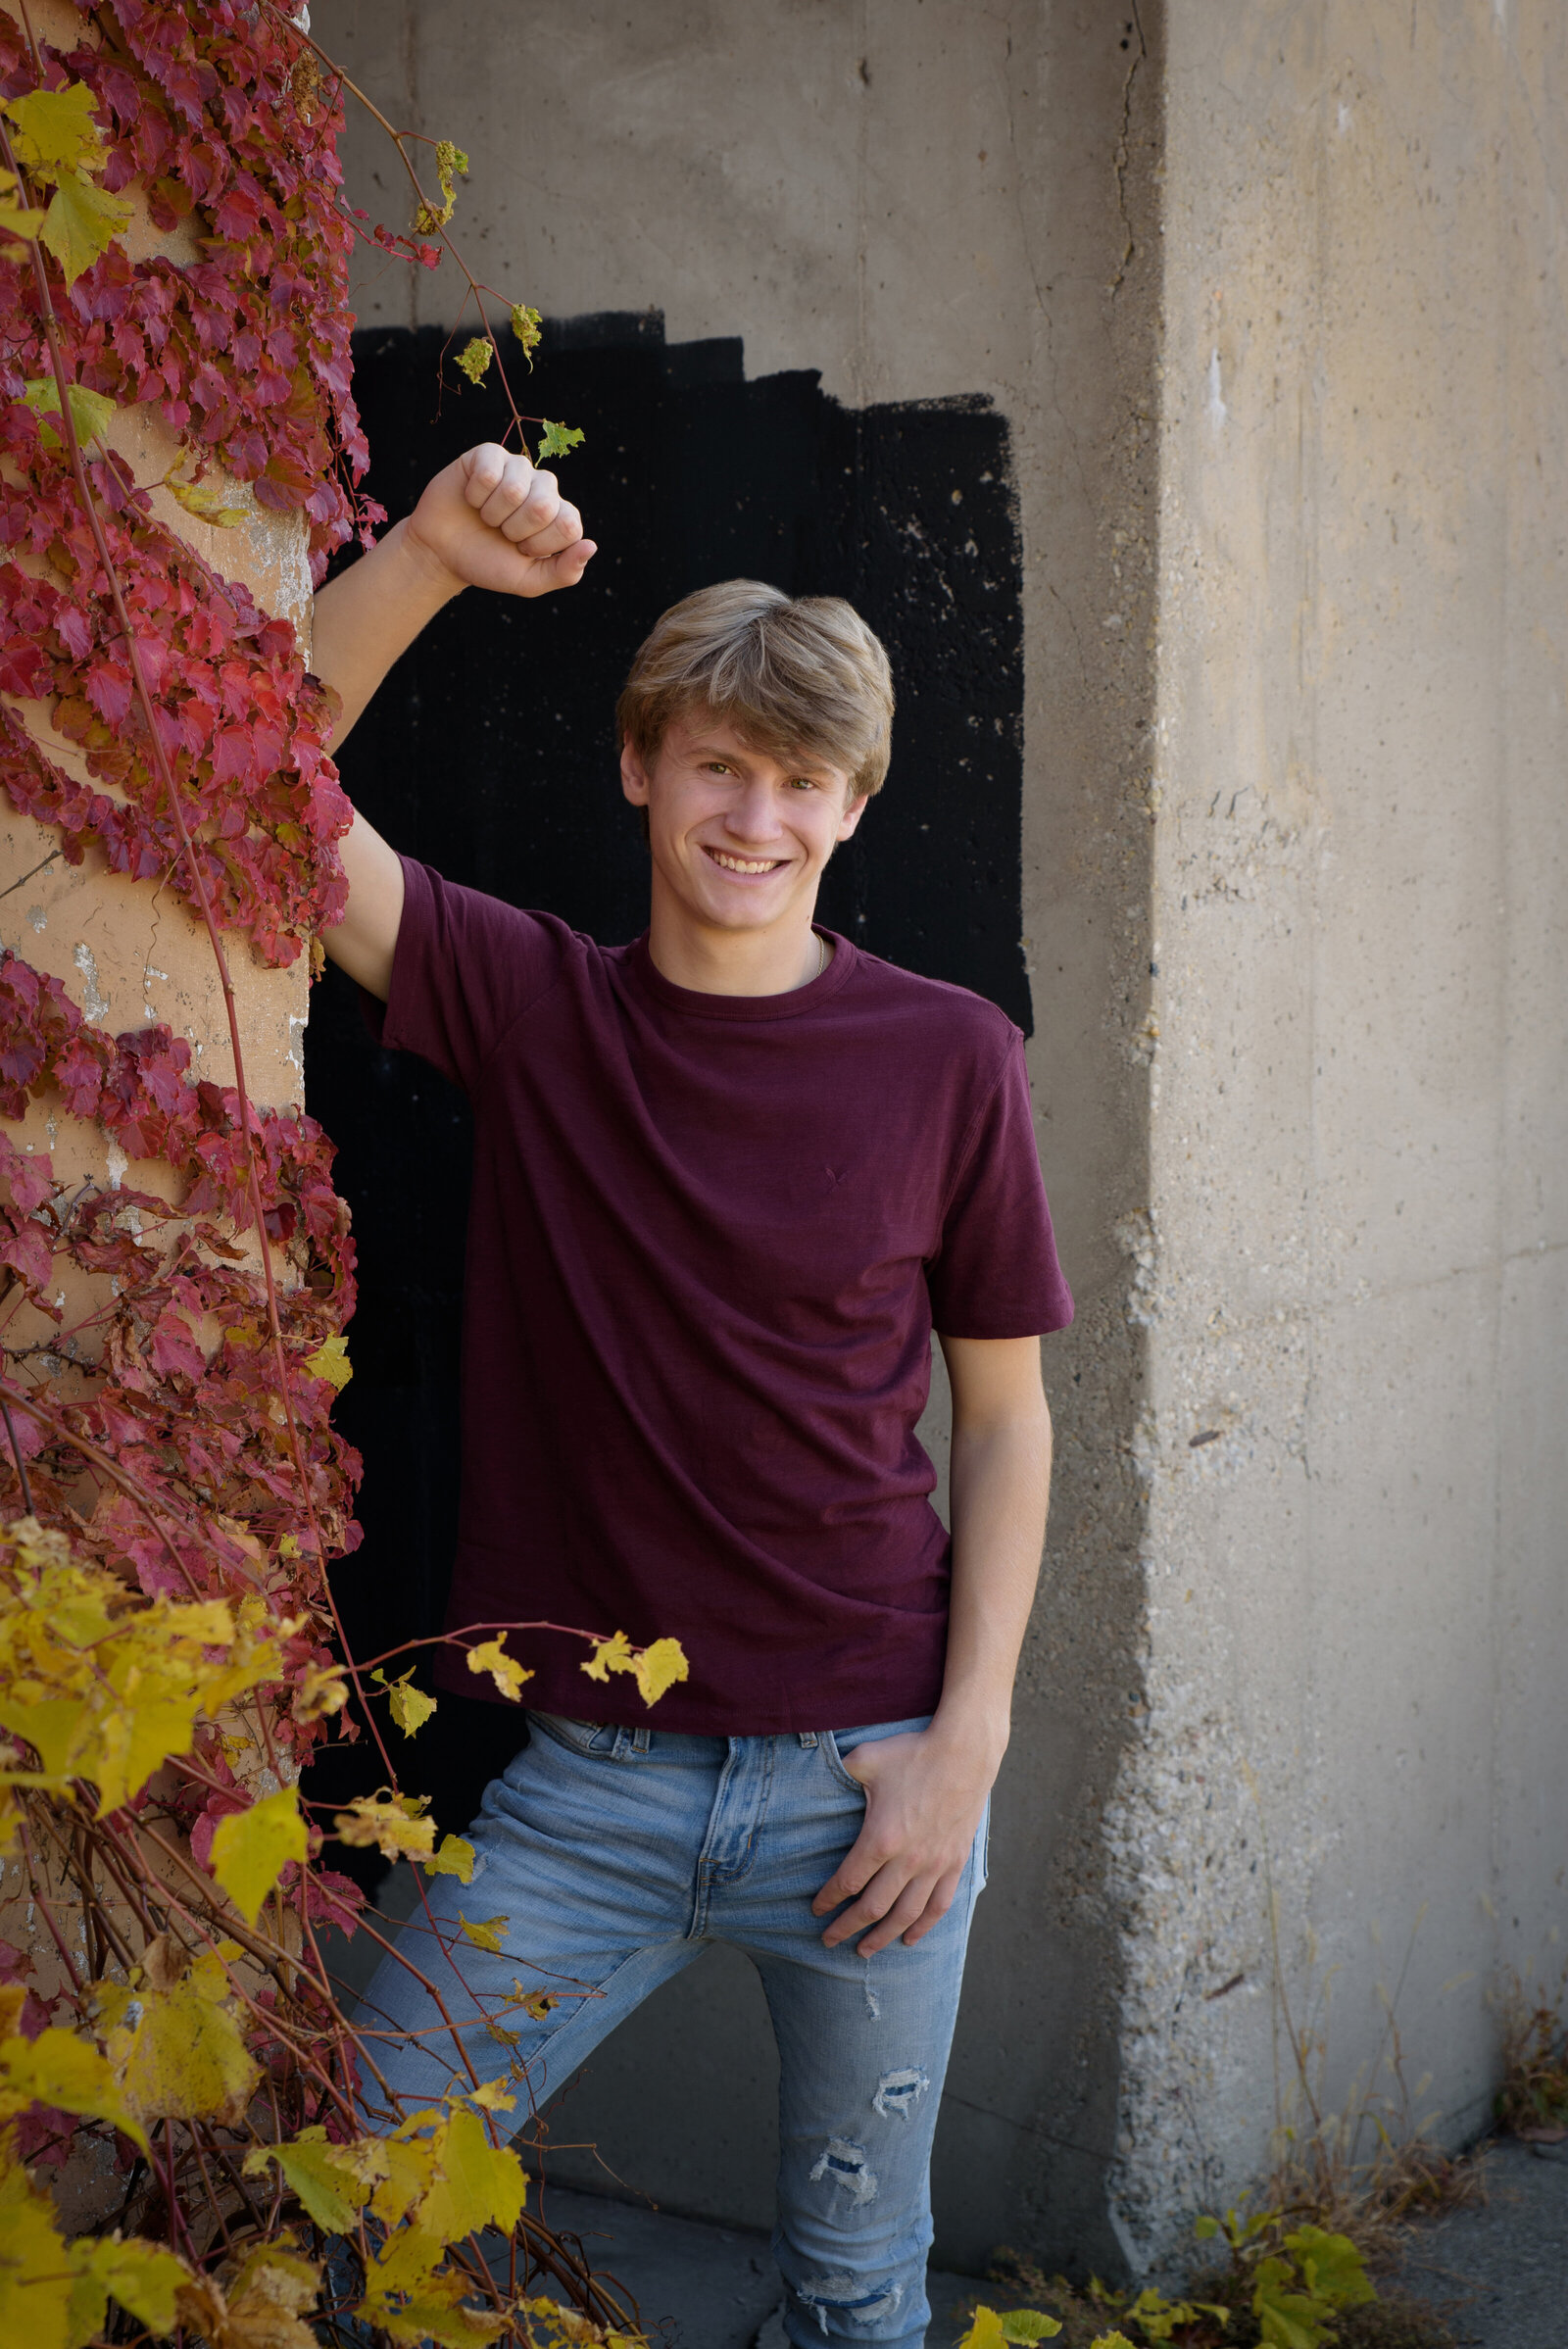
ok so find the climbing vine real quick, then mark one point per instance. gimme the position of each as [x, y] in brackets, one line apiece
[173, 2055]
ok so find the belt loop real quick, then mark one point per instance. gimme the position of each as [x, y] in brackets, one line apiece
[641, 1739]
[808, 1740]
[623, 1745]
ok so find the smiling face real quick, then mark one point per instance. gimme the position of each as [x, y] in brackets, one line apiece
[739, 837]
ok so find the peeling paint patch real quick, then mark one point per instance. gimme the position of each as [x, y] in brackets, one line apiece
[899, 2092]
[94, 1002]
[1218, 413]
[845, 2165]
[848, 2297]
[118, 1163]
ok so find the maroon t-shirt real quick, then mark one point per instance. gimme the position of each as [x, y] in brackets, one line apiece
[708, 1239]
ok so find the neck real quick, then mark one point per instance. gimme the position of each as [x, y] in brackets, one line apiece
[710, 961]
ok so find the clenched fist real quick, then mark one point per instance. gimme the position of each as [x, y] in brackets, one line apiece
[491, 520]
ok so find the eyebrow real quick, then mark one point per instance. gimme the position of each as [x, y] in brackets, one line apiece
[817, 773]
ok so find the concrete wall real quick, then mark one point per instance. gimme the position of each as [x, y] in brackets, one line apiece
[1275, 321]
[1359, 1193]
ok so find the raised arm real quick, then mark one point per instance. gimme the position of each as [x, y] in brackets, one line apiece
[489, 519]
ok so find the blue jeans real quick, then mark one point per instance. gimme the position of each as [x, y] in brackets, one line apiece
[614, 1856]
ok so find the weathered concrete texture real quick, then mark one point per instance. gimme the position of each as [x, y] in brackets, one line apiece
[1355, 1249]
[918, 198]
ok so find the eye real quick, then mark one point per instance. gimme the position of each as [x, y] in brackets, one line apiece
[803, 783]
[718, 766]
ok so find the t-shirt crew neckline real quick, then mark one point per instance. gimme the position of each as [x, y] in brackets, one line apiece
[701, 1005]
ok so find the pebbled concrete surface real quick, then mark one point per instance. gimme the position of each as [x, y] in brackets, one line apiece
[701, 2286]
[1500, 2272]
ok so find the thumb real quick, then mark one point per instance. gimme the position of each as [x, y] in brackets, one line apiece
[549, 571]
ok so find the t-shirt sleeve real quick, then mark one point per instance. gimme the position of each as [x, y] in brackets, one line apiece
[467, 966]
[996, 1273]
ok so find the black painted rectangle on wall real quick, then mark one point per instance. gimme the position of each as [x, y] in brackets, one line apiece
[490, 754]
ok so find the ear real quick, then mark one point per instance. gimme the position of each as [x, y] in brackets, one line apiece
[852, 816]
[634, 778]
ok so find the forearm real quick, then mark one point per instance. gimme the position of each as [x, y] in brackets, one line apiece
[1000, 1484]
[373, 611]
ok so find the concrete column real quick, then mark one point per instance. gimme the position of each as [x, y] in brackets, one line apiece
[1270, 299]
[1358, 1212]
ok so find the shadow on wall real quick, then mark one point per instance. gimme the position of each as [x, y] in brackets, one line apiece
[491, 755]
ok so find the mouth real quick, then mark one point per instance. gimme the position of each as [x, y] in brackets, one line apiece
[748, 867]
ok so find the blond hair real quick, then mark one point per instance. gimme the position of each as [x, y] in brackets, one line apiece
[799, 676]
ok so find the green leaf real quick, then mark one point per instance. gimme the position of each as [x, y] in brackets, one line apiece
[526, 325]
[410, 1708]
[449, 160]
[557, 440]
[1332, 2266]
[55, 131]
[251, 1848]
[90, 413]
[1287, 2319]
[82, 221]
[474, 358]
[1205, 2229]
[1028, 2324]
[455, 1858]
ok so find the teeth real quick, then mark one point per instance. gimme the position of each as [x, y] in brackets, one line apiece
[738, 864]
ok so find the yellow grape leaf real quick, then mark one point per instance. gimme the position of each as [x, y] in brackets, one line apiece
[613, 1654]
[55, 131]
[262, 2306]
[410, 1708]
[334, 2181]
[82, 221]
[527, 325]
[38, 2286]
[205, 500]
[251, 1848]
[184, 2057]
[16, 219]
[57, 2068]
[143, 2278]
[477, 2184]
[105, 1685]
[486, 1935]
[455, 1858]
[411, 2168]
[490, 1656]
[655, 1668]
[474, 359]
[393, 1824]
[322, 1692]
[330, 1360]
[91, 410]
[492, 2097]
[658, 1668]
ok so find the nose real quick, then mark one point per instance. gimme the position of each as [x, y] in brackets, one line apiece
[753, 815]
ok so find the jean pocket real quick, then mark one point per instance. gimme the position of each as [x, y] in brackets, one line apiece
[579, 1737]
[828, 1748]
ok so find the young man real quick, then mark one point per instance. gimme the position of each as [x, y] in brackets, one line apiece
[727, 1180]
